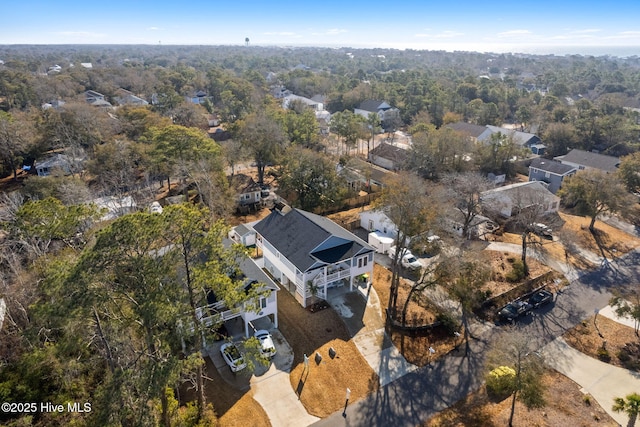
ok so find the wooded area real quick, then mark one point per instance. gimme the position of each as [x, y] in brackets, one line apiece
[106, 307]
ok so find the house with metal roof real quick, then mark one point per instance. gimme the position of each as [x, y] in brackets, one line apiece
[551, 172]
[310, 254]
[588, 160]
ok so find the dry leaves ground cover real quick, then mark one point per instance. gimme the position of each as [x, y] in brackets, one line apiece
[322, 387]
[607, 340]
[566, 406]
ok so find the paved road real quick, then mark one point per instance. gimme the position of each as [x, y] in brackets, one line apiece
[419, 395]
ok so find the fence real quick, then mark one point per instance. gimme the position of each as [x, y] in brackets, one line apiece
[353, 202]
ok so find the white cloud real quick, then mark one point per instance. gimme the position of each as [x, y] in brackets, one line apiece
[153, 29]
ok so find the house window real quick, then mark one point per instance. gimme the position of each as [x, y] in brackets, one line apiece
[263, 303]
[362, 262]
[547, 174]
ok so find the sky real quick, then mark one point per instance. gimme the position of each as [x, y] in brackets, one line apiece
[543, 26]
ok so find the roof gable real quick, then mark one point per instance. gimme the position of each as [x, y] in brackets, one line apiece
[297, 234]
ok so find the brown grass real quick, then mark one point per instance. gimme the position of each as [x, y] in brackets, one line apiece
[586, 338]
[611, 238]
[566, 406]
[322, 389]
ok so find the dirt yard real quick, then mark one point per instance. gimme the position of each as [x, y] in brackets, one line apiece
[607, 340]
[566, 406]
[321, 386]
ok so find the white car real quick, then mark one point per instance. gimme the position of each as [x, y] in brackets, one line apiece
[233, 357]
[267, 348]
[411, 262]
[392, 252]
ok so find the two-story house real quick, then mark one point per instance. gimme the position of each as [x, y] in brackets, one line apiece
[247, 191]
[310, 254]
[387, 114]
[551, 172]
[217, 312]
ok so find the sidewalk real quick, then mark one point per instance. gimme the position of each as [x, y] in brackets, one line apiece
[379, 352]
[599, 379]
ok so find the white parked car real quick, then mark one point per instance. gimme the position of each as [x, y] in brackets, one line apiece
[267, 348]
[411, 262]
[392, 252]
[233, 357]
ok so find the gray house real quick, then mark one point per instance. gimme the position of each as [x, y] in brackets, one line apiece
[550, 171]
[588, 160]
[389, 156]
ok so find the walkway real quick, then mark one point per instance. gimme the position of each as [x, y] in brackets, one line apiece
[601, 380]
[367, 330]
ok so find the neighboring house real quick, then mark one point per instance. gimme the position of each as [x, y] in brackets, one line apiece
[521, 139]
[506, 200]
[243, 234]
[316, 104]
[56, 104]
[474, 132]
[217, 312]
[247, 191]
[124, 97]
[198, 98]
[452, 221]
[385, 112]
[310, 254]
[115, 207]
[279, 91]
[57, 162]
[362, 175]
[389, 156]
[550, 171]
[377, 220]
[87, 65]
[96, 99]
[587, 160]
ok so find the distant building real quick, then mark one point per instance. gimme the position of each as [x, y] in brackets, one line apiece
[387, 114]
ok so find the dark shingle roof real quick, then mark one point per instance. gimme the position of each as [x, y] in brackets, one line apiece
[551, 166]
[297, 233]
[373, 105]
[241, 183]
[468, 128]
[591, 160]
[391, 152]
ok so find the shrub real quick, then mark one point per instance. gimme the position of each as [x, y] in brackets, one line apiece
[500, 381]
[603, 354]
[447, 322]
[623, 355]
[517, 271]
[586, 399]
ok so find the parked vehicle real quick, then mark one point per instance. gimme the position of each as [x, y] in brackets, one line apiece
[543, 230]
[540, 298]
[392, 252]
[233, 357]
[513, 310]
[267, 348]
[411, 262]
